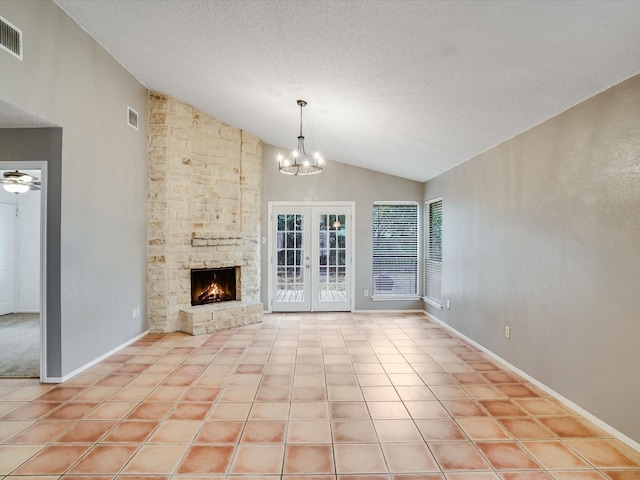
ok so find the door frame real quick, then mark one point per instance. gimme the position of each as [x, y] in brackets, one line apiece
[350, 241]
[42, 166]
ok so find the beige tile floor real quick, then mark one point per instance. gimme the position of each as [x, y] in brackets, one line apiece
[312, 396]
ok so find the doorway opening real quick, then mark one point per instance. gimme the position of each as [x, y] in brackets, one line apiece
[22, 261]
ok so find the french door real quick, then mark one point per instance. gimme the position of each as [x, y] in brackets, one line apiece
[311, 258]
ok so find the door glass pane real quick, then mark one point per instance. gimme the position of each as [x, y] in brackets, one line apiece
[332, 237]
[323, 256]
[322, 239]
[290, 258]
[323, 275]
[323, 222]
[341, 241]
[291, 275]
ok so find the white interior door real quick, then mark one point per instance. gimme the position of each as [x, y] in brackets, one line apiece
[311, 258]
[7, 253]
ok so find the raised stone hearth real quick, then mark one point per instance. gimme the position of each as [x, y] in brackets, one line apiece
[213, 317]
[204, 212]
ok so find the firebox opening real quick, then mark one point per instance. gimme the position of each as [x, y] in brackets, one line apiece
[213, 285]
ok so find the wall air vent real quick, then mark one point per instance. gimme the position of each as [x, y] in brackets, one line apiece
[10, 38]
[132, 118]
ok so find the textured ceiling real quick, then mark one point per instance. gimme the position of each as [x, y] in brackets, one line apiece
[407, 87]
[13, 117]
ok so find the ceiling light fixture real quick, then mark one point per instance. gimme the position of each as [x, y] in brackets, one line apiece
[300, 163]
[18, 182]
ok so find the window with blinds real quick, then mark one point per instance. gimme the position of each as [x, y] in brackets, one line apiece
[433, 252]
[395, 249]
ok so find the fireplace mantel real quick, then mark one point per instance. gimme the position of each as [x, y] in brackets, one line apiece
[209, 239]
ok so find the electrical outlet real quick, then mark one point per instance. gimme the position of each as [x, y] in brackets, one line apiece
[366, 293]
[134, 313]
[138, 312]
[507, 332]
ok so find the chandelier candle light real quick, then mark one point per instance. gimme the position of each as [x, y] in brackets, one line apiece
[300, 163]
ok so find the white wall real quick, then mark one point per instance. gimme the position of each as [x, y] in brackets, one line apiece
[6, 197]
[7, 253]
[28, 265]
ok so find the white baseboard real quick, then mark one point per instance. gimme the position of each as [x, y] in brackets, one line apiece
[93, 362]
[355, 311]
[389, 311]
[577, 408]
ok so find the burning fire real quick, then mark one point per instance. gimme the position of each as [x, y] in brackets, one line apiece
[213, 285]
[213, 293]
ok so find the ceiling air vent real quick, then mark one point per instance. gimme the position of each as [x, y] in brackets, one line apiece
[10, 38]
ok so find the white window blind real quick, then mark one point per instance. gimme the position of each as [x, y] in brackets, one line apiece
[395, 249]
[433, 252]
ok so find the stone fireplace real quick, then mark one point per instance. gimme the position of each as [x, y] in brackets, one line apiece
[204, 214]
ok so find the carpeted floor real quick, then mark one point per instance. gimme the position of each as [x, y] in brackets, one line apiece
[20, 345]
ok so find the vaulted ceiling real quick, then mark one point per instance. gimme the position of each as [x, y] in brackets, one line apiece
[407, 87]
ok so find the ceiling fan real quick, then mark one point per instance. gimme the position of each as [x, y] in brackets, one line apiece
[18, 182]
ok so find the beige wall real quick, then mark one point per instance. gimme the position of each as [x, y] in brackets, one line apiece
[541, 233]
[68, 79]
[338, 182]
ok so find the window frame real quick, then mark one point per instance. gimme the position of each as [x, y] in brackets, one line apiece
[376, 294]
[428, 253]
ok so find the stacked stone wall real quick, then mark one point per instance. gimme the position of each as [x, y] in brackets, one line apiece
[204, 206]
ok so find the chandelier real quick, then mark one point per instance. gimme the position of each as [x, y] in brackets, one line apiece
[18, 182]
[300, 163]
